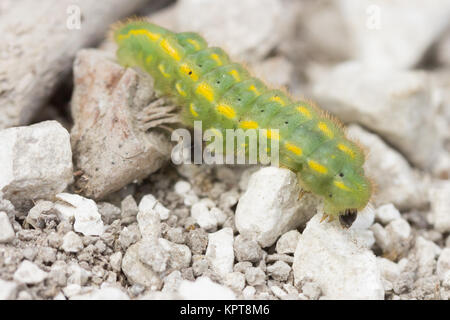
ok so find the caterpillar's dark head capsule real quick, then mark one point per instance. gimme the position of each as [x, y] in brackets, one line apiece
[348, 217]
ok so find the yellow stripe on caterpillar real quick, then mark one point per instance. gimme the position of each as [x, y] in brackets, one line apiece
[192, 109]
[248, 124]
[206, 91]
[278, 99]
[304, 111]
[171, 51]
[216, 58]
[184, 68]
[226, 110]
[253, 88]
[324, 128]
[235, 75]
[346, 149]
[293, 148]
[180, 89]
[194, 43]
[163, 71]
[152, 36]
[317, 167]
[341, 185]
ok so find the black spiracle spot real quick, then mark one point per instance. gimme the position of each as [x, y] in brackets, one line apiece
[341, 175]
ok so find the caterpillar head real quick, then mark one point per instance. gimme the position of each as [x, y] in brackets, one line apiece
[347, 193]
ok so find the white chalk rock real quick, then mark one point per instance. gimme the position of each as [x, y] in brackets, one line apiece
[219, 252]
[446, 281]
[443, 264]
[396, 181]
[149, 221]
[182, 187]
[288, 242]
[179, 254]
[153, 255]
[77, 274]
[439, 195]
[6, 206]
[129, 235]
[149, 202]
[270, 205]
[390, 271]
[36, 215]
[399, 229]
[364, 219]
[88, 220]
[8, 290]
[236, 25]
[394, 239]
[279, 270]
[307, 42]
[72, 243]
[108, 212]
[203, 216]
[35, 161]
[7, 233]
[204, 289]
[172, 281]
[29, 273]
[249, 292]
[115, 261]
[333, 258]
[72, 290]
[382, 30]
[235, 281]
[426, 253]
[277, 71]
[137, 272]
[221, 216]
[387, 213]
[398, 105]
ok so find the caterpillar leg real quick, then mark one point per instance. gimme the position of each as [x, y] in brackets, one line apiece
[158, 114]
[324, 217]
[348, 217]
[327, 216]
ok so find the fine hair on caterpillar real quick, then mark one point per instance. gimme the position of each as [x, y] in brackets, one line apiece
[223, 95]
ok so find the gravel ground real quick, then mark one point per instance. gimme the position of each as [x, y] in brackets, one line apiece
[91, 206]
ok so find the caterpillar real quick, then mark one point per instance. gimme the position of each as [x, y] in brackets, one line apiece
[224, 95]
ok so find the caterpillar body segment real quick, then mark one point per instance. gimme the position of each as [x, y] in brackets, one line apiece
[224, 95]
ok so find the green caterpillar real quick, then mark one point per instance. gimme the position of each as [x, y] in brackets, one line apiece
[223, 95]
